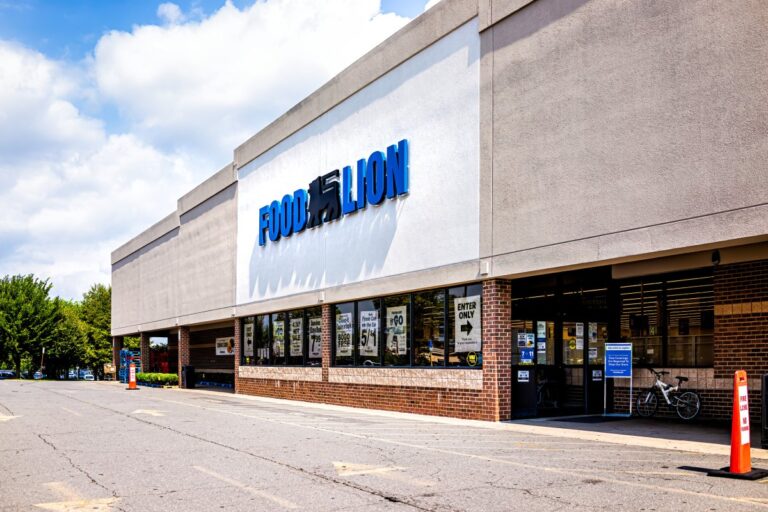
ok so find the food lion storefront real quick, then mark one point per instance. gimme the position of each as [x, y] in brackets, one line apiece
[460, 221]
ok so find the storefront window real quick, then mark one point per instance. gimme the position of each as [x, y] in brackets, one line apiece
[690, 321]
[397, 330]
[368, 333]
[641, 312]
[315, 338]
[429, 328]
[248, 349]
[670, 319]
[344, 334]
[261, 340]
[278, 338]
[296, 338]
[465, 341]
[523, 337]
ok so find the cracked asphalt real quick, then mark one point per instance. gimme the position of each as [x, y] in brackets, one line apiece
[94, 446]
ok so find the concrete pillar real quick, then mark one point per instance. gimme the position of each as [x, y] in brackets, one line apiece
[497, 349]
[327, 323]
[117, 346]
[238, 350]
[183, 348]
[144, 348]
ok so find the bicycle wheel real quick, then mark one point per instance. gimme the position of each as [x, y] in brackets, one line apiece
[647, 403]
[688, 405]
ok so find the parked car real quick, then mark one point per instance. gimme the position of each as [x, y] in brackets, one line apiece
[88, 376]
[39, 375]
[7, 374]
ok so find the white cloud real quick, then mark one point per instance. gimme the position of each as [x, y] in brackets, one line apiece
[170, 13]
[188, 92]
[236, 70]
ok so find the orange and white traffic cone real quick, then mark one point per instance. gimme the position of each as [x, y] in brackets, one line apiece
[741, 458]
[132, 378]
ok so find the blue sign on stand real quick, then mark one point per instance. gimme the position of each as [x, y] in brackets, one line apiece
[618, 360]
[618, 365]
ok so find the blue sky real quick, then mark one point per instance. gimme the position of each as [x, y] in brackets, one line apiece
[69, 29]
[111, 110]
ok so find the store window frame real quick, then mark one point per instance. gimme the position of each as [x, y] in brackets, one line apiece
[286, 360]
[663, 321]
[357, 361]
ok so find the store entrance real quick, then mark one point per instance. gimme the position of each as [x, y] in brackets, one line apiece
[559, 331]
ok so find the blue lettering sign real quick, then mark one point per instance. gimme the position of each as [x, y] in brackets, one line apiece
[331, 196]
[618, 360]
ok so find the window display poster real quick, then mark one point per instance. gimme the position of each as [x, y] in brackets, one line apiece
[225, 346]
[525, 339]
[592, 332]
[397, 330]
[369, 333]
[541, 330]
[592, 353]
[248, 340]
[467, 324]
[344, 334]
[580, 330]
[315, 338]
[278, 338]
[297, 336]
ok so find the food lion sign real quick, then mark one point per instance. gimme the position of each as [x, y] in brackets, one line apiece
[467, 324]
[330, 196]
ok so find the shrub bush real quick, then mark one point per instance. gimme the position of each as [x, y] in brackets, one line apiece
[163, 379]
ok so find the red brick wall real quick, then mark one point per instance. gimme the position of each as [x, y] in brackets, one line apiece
[144, 348]
[497, 349]
[741, 319]
[238, 347]
[491, 403]
[117, 346]
[183, 348]
[716, 404]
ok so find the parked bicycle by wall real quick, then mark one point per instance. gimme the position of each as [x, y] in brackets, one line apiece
[687, 404]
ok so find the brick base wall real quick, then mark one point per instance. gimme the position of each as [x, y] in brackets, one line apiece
[716, 404]
[467, 404]
[486, 398]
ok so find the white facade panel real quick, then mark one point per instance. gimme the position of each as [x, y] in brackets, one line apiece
[433, 101]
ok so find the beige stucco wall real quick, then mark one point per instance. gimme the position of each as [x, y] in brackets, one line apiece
[623, 128]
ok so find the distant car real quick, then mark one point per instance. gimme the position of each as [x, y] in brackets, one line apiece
[88, 376]
[7, 374]
[72, 375]
[38, 375]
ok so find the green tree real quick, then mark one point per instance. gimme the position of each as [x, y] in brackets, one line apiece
[68, 348]
[28, 317]
[96, 314]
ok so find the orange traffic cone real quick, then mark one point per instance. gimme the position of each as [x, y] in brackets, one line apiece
[741, 459]
[132, 378]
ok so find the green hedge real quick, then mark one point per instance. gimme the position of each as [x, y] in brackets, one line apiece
[165, 379]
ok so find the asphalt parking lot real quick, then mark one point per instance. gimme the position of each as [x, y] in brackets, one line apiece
[94, 446]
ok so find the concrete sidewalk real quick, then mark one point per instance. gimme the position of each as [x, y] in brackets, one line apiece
[663, 434]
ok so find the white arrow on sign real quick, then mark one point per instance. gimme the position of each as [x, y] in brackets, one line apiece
[150, 412]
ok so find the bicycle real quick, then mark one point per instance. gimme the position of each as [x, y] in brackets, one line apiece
[687, 404]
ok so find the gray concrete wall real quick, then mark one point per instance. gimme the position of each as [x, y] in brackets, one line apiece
[610, 132]
[185, 275]
[623, 128]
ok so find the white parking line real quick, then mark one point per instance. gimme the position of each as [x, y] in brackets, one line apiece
[247, 488]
